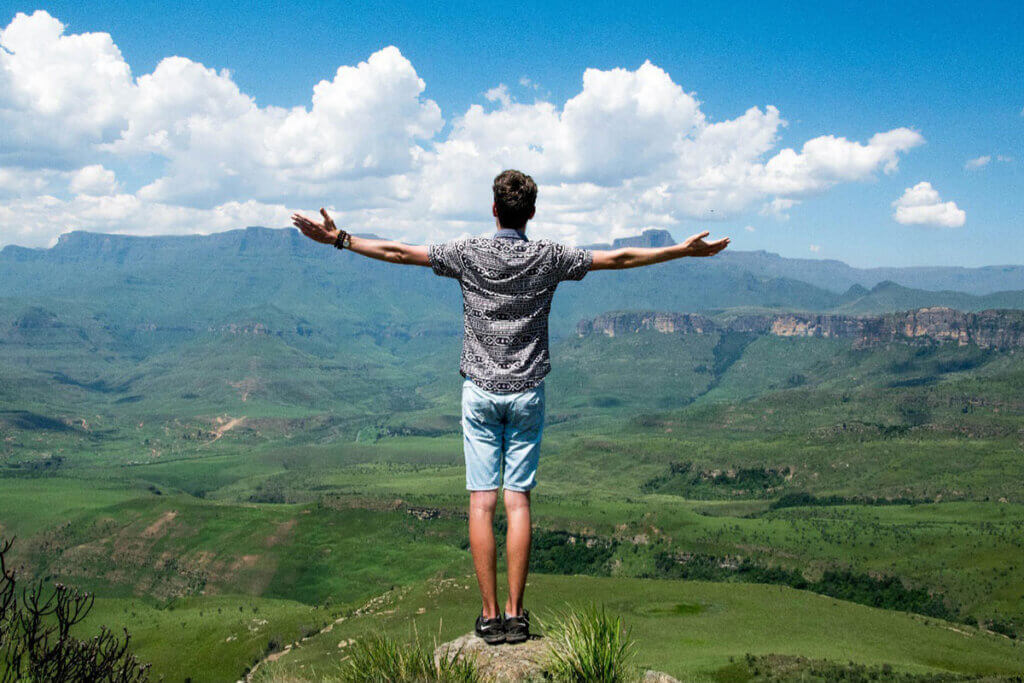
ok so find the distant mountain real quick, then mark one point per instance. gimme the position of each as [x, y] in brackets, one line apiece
[197, 281]
[889, 296]
[837, 276]
[648, 238]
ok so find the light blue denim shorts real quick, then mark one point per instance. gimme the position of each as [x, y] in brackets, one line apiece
[501, 437]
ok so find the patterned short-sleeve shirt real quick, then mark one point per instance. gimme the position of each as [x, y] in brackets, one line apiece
[507, 285]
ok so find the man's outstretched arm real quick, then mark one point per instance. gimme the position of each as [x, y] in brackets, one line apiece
[633, 257]
[383, 250]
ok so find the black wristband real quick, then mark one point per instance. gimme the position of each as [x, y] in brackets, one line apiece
[342, 240]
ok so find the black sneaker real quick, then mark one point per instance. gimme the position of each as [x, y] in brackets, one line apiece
[517, 629]
[491, 630]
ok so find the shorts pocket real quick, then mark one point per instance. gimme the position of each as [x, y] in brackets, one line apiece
[528, 411]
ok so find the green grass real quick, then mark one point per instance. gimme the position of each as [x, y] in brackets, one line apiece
[27, 506]
[589, 644]
[213, 638]
[691, 629]
[381, 659]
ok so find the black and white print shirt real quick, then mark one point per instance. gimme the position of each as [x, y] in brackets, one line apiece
[507, 285]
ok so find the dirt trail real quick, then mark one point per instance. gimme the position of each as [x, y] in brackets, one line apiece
[156, 527]
[225, 426]
[373, 606]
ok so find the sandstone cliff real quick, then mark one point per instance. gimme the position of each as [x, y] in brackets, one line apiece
[995, 329]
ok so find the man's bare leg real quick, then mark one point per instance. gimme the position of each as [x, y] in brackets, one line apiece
[517, 509]
[481, 544]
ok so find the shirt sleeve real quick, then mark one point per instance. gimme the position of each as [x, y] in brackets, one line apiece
[446, 259]
[572, 263]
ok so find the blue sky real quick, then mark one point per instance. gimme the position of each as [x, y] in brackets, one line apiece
[949, 74]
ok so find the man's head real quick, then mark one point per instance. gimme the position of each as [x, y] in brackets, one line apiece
[515, 199]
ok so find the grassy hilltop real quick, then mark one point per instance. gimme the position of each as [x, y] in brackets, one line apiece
[239, 440]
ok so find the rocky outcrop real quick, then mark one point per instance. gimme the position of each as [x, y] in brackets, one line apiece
[613, 324]
[652, 237]
[521, 662]
[998, 329]
[992, 329]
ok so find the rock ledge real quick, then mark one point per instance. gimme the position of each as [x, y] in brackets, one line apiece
[521, 662]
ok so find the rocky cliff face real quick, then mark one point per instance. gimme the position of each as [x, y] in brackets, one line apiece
[996, 329]
[614, 324]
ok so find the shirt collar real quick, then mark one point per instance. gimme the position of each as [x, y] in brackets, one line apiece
[509, 233]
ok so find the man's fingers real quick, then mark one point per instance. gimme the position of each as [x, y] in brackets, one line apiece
[308, 227]
[304, 223]
[299, 218]
[702, 248]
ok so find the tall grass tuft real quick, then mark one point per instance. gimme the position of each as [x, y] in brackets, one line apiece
[380, 658]
[589, 645]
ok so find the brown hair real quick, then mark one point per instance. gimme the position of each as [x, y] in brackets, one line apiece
[515, 196]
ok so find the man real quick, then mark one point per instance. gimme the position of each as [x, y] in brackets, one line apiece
[507, 284]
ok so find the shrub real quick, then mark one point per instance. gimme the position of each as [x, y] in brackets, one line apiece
[589, 645]
[36, 642]
[380, 658]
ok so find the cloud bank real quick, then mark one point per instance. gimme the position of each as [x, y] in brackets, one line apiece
[80, 135]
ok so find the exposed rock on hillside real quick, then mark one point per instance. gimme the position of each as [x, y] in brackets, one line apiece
[522, 662]
[996, 329]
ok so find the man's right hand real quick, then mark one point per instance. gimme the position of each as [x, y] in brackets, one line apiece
[696, 246]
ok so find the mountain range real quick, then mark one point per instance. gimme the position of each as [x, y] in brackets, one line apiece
[837, 276]
[131, 286]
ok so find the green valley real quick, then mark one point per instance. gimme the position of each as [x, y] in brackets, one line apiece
[241, 443]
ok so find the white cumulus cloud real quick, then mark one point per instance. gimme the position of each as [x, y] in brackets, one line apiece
[921, 205]
[632, 149]
[94, 180]
[778, 208]
[58, 93]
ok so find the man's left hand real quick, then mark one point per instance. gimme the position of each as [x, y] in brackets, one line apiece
[324, 232]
